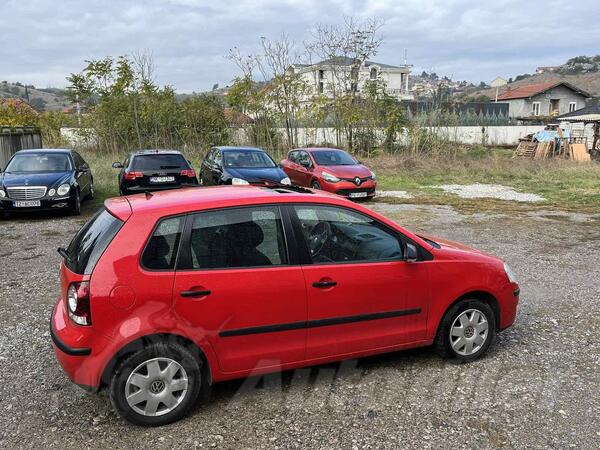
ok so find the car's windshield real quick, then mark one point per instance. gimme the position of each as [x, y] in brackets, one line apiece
[39, 162]
[142, 163]
[333, 158]
[247, 159]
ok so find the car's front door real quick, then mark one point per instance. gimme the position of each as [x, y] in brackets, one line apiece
[303, 169]
[235, 283]
[83, 174]
[362, 294]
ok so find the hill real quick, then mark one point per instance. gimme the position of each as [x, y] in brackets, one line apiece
[581, 71]
[48, 99]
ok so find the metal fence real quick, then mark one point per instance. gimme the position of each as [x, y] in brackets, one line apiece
[14, 139]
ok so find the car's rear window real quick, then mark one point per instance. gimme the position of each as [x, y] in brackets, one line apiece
[90, 242]
[142, 163]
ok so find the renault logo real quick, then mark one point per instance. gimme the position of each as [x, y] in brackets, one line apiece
[357, 181]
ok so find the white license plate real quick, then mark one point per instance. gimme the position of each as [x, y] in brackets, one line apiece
[27, 203]
[357, 194]
[162, 179]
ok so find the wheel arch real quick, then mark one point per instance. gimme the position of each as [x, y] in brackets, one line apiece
[142, 341]
[483, 296]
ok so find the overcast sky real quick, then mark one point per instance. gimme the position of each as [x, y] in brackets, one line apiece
[42, 41]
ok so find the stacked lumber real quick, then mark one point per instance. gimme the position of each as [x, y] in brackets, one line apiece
[578, 152]
[544, 150]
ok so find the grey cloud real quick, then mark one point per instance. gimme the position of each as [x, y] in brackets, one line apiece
[45, 40]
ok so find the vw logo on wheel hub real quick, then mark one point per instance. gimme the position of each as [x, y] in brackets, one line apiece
[157, 386]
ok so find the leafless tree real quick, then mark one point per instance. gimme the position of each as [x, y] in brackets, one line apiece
[344, 50]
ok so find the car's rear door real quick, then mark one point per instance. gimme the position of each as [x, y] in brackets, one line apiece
[236, 284]
[362, 294]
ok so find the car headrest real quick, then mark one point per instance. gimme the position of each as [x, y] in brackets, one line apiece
[245, 234]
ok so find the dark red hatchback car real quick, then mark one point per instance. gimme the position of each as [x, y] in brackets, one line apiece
[330, 169]
[164, 294]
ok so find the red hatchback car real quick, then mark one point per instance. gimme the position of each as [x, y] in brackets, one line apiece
[331, 170]
[164, 294]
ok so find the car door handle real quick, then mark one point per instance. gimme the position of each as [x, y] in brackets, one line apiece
[324, 284]
[194, 293]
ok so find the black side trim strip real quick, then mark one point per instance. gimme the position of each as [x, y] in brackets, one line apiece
[318, 323]
[83, 351]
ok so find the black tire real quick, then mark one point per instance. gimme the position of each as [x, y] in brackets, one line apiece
[443, 344]
[196, 376]
[76, 206]
[315, 185]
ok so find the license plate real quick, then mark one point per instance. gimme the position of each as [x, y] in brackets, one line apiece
[162, 179]
[27, 203]
[357, 194]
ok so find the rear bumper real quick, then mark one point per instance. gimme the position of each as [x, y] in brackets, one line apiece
[130, 190]
[74, 347]
[71, 351]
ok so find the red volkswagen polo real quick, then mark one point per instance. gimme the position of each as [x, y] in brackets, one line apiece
[164, 294]
[331, 170]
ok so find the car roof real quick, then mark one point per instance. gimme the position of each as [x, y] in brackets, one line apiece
[321, 149]
[250, 149]
[156, 152]
[184, 200]
[45, 150]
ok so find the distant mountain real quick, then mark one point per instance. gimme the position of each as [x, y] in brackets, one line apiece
[48, 99]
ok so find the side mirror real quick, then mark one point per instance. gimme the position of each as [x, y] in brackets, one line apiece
[117, 165]
[412, 254]
[83, 168]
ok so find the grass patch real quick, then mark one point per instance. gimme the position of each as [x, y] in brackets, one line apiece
[565, 185]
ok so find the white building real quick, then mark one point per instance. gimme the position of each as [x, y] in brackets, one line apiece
[339, 75]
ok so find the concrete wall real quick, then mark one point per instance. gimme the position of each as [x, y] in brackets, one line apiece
[492, 135]
[524, 107]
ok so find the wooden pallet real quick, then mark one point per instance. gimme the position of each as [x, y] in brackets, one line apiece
[526, 149]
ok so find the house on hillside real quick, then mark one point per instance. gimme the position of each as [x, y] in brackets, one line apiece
[341, 75]
[543, 99]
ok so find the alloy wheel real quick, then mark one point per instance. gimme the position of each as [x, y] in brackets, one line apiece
[469, 332]
[156, 387]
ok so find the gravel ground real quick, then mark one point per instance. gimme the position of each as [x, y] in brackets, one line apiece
[537, 387]
[497, 191]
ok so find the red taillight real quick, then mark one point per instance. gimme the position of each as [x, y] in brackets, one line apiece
[132, 175]
[191, 173]
[78, 303]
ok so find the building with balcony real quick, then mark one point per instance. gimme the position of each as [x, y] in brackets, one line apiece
[337, 76]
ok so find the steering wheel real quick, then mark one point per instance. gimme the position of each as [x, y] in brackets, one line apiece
[318, 237]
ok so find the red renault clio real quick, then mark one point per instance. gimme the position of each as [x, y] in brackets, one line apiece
[164, 294]
[331, 170]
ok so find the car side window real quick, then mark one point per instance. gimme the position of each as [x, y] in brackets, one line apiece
[293, 157]
[161, 251]
[303, 159]
[238, 237]
[339, 235]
